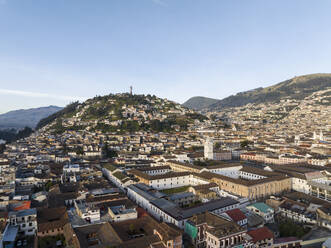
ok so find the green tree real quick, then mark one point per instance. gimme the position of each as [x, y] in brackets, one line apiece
[217, 146]
[245, 143]
[108, 153]
[2, 148]
[79, 150]
[48, 185]
[25, 132]
[132, 229]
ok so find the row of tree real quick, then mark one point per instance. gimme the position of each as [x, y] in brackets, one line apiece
[10, 135]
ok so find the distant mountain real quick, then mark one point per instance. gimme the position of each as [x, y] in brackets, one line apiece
[295, 88]
[199, 102]
[18, 119]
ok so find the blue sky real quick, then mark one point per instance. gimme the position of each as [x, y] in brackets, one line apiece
[56, 51]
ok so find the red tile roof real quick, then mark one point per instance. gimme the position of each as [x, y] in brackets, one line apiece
[260, 234]
[22, 205]
[236, 214]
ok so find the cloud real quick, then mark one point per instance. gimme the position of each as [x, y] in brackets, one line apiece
[40, 95]
[158, 2]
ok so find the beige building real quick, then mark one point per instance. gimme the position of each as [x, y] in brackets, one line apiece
[251, 189]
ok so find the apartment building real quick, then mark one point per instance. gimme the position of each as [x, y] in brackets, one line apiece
[25, 220]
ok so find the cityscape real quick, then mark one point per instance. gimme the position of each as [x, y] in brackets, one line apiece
[140, 168]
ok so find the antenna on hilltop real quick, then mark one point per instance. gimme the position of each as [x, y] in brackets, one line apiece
[131, 90]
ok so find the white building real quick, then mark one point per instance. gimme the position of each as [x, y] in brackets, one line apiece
[300, 184]
[298, 212]
[117, 177]
[71, 168]
[121, 213]
[163, 210]
[209, 149]
[25, 220]
[170, 180]
[263, 210]
[87, 211]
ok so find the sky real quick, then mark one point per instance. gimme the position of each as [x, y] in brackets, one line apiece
[53, 52]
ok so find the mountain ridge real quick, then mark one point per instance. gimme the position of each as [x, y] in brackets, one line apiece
[21, 118]
[297, 87]
[199, 102]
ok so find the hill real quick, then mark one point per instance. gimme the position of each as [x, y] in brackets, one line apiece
[121, 113]
[18, 119]
[296, 88]
[199, 102]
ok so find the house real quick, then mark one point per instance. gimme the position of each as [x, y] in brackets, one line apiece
[75, 168]
[51, 221]
[237, 216]
[210, 230]
[121, 213]
[261, 237]
[116, 176]
[298, 211]
[288, 242]
[263, 210]
[25, 220]
[87, 211]
[324, 216]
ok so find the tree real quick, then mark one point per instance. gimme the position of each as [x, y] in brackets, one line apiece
[200, 163]
[132, 229]
[25, 132]
[79, 150]
[2, 148]
[245, 143]
[48, 185]
[213, 117]
[8, 135]
[217, 146]
[108, 153]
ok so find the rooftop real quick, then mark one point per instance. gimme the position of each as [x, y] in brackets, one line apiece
[217, 225]
[260, 234]
[262, 207]
[236, 214]
[22, 213]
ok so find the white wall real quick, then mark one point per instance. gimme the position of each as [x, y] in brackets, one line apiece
[300, 185]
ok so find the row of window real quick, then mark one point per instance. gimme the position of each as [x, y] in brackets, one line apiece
[25, 225]
[52, 231]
